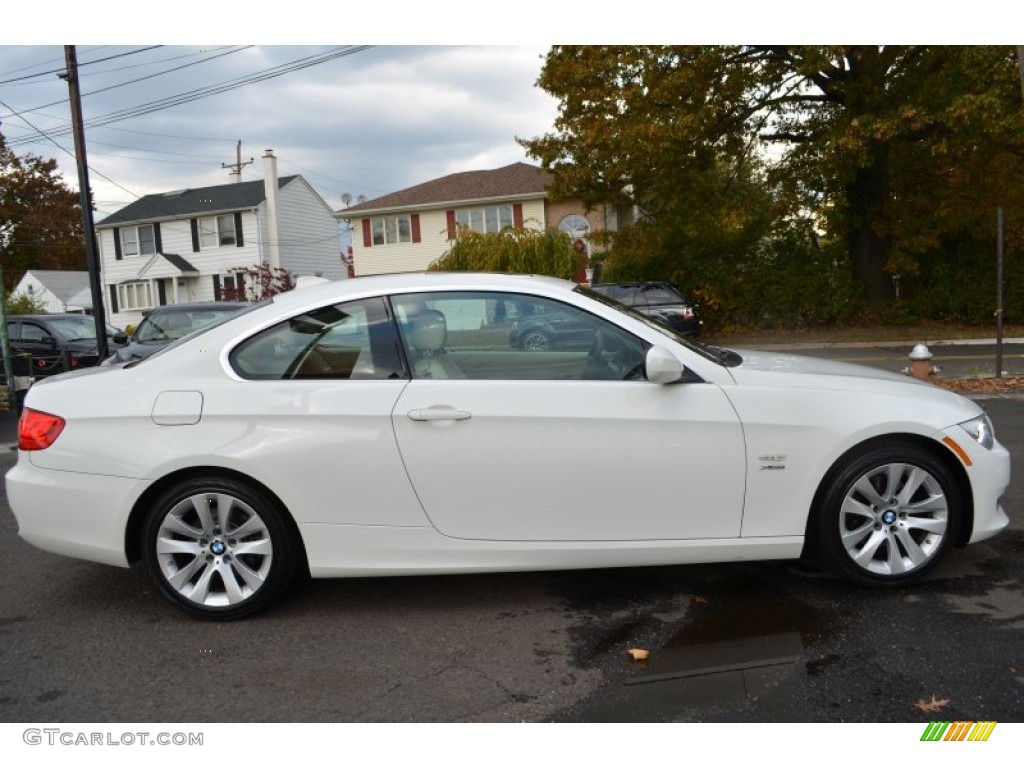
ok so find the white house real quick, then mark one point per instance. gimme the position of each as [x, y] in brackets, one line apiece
[407, 230]
[188, 244]
[58, 290]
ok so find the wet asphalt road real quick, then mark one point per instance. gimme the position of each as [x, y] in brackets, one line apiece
[760, 642]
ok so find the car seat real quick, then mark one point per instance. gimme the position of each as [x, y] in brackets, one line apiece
[427, 334]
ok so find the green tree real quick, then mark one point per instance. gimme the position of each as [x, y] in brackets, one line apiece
[24, 304]
[40, 217]
[898, 155]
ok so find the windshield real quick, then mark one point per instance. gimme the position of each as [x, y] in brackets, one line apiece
[77, 328]
[162, 327]
[718, 355]
[224, 316]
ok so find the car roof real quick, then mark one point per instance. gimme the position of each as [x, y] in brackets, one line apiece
[212, 305]
[47, 316]
[414, 282]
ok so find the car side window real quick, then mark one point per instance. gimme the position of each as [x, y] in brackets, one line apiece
[13, 331]
[353, 340]
[503, 336]
[33, 332]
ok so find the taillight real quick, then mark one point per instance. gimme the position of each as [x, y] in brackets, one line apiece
[38, 430]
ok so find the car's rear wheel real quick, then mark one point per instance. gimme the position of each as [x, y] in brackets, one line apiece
[535, 341]
[218, 548]
[889, 515]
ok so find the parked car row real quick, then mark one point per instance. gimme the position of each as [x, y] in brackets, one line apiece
[55, 343]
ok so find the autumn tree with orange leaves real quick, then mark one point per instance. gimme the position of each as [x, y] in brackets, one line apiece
[40, 217]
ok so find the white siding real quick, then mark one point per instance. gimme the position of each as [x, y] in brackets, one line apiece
[402, 257]
[416, 257]
[310, 240]
[176, 238]
[29, 286]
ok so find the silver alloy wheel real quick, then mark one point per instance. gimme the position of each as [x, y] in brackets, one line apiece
[535, 341]
[893, 519]
[214, 550]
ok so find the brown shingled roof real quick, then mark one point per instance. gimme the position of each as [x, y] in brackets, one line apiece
[518, 179]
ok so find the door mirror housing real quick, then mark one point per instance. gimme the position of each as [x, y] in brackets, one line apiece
[662, 367]
[120, 338]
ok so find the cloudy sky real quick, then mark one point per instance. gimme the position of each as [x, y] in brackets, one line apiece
[364, 120]
[367, 121]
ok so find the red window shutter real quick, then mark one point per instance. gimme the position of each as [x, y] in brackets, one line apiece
[367, 237]
[451, 225]
[416, 228]
[517, 215]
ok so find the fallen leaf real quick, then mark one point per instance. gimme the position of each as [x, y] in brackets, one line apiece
[931, 706]
[700, 600]
[638, 654]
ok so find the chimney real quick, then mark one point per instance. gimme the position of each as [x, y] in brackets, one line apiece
[270, 187]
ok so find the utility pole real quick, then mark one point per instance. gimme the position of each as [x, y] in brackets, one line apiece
[91, 260]
[237, 165]
[999, 292]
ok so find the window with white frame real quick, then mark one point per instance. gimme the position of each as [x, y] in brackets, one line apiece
[138, 241]
[391, 229]
[134, 296]
[216, 231]
[493, 218]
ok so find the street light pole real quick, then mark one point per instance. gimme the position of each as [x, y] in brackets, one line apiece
[91, 260]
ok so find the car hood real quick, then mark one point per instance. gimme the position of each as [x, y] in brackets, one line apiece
[779, 369]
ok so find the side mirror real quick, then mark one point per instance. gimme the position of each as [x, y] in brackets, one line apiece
[49, 340]
[662, 367]
[120, 338]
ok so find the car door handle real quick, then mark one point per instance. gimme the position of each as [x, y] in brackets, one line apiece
[438, 413]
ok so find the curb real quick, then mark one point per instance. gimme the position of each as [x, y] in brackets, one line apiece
[870, 344]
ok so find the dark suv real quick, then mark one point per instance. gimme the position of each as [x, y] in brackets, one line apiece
[659, 301]
[47, 337]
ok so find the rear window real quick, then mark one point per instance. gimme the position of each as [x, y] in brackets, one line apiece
[659, 294]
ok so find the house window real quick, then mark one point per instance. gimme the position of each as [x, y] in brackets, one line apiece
[136, 241]
[216, 231]
[134, 296]
[493, 218]
[391, 229]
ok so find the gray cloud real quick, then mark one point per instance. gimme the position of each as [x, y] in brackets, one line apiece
[368, 123]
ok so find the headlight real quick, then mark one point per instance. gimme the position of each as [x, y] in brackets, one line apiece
[981, 430]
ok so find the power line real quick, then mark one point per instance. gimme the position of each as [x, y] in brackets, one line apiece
[83, 64]
[136, 80]
[199, 93]
[64, 149]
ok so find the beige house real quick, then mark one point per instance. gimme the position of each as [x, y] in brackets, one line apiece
[407, 230]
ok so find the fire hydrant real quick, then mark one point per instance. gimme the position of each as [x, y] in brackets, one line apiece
[921, 362]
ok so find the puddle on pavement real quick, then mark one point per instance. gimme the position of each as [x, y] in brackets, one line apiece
[733, 647]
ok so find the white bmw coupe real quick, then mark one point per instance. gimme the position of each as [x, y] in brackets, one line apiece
[397, 425]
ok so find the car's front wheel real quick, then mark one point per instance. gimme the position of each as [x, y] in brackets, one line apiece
[888, 515]
[218, 548]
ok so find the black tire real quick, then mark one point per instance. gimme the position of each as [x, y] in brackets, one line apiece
[223, 568]
[535, 341]
[888, 515]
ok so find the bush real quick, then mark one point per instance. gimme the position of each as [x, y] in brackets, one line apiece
[516, 251]
[24, 304]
